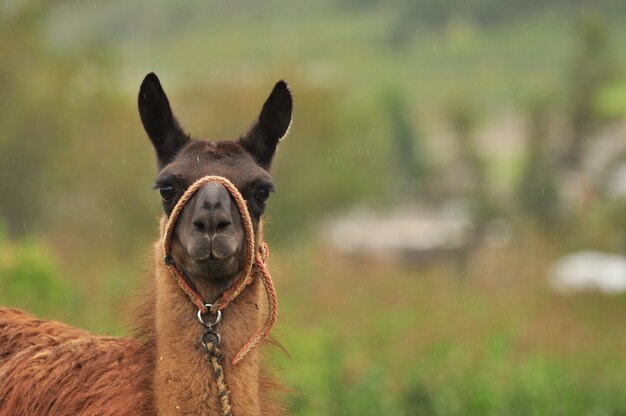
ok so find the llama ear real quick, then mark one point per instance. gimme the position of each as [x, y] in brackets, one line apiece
[156, 115]
[271, 127]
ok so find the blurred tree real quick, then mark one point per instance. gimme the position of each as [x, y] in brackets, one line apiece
[409, 157]
[462, 119]
[537, 190]
[64, 142]
[31, 81]
[594, 65]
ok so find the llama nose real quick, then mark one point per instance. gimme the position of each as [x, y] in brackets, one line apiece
[212, 223]
[213, 209]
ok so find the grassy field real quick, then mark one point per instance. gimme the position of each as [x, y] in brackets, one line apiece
[374, 339]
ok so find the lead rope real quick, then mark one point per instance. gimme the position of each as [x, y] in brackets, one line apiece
[216, 356]
[209, 338]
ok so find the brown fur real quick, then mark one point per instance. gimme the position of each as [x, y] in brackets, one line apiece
[48, 368]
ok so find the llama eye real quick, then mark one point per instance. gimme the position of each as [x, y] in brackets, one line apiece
[167, 192]
[261, 194]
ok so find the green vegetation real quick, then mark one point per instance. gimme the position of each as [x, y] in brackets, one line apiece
[30, 278]
[370, 339]
[392, 101]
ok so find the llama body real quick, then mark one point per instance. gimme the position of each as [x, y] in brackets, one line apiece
[48, 368]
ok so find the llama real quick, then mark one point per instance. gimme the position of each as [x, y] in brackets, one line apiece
[48, 368]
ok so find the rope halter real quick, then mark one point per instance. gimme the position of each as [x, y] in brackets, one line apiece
[255, 257]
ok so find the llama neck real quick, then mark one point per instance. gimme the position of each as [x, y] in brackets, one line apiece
[184, 382]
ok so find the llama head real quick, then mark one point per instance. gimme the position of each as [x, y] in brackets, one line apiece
[208, 242]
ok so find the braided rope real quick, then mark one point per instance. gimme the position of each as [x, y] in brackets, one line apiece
[216, 356]
[254, 257]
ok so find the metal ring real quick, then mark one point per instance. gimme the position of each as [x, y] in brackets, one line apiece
[218, 317]
[210, 333]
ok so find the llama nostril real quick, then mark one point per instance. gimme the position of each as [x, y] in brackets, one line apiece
[211, 224]
[222, 224]
[199, 226]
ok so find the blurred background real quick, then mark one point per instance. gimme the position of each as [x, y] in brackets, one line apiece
[449, 231]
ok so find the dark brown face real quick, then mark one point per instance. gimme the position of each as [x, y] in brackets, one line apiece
[209, 237]
[208, 242]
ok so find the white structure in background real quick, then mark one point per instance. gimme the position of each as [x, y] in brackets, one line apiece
[589, 271]
[603, 168]
[616, 185]
[403, 233]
